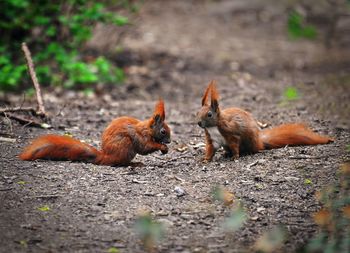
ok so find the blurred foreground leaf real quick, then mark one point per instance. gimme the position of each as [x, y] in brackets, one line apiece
[113, 250]
[297, 27]
[291, 93]
[221, 194]
[271, 240]
[236, 220]
[44, 208]
[149, 231]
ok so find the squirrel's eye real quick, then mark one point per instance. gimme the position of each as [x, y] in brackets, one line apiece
[210, 114]
[162, 131]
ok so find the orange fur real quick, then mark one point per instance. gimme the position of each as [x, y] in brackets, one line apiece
[238, 132]
[292, 135]
[214, 95]
[55, 147]
[123, 138]
[205, 96]
[159, 109]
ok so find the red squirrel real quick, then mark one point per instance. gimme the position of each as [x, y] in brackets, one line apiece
[238, 132]
[123, 138]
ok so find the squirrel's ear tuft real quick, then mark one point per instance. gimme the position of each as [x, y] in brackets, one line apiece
[159, 112]
[214, 95]
[206, 95]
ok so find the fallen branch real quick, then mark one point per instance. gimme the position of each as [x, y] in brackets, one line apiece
[30, 64]
[17, 109]
[49, 196]
[25, 121]
[305, 157]
[4, 139]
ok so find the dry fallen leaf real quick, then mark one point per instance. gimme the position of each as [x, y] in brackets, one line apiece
[271, 240]
[222, 194]
[345, 169]
[322, 217]
[182, 148]
[199, 145]
[346, 211]
[228, 197]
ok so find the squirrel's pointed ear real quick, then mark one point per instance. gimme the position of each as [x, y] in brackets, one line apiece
[159, 112]
[214, 96]
[206, 95]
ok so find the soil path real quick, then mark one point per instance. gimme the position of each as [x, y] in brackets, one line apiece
[173, 51]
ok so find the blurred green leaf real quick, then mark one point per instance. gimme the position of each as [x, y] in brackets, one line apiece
[44, 208]
[51, 31]
[149, 231]
[235, 220]
[317, 242]
[297, 28]
[30, 92]
[56, 38]
[307, 181]
[119, 75]
[223, 195]
[41, 20]
[113, 250]
[120, 20]
[88, 92]
[24, 243]
[271, 240]
[291, 93]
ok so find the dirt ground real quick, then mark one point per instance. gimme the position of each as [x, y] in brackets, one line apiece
[172, 51]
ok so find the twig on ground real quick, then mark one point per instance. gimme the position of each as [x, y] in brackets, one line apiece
[6, 189]
[179, 157]
[61, 109]
[252, 164]
[9, 122]
[261, 125]
[24, 120]
[305, 157]
[179, 179]
[30, 64]
[17, 109]
[49, 196]
[8, 135]
[139, 181]
[4, 139]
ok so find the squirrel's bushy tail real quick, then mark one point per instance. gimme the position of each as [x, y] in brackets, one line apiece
[54, 147]
[292, 135]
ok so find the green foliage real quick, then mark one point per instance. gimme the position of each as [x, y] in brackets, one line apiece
[297, 27]
[334, 218]
[291, 93]
[307, 181]
[271, 240]
[55, 32]
[235, 220]
[44, 208]
[149, 231]
[237, 216]
[113, 250]
[24, 243]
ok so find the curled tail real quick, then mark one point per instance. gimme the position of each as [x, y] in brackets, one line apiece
[292, 135]
[54, 147]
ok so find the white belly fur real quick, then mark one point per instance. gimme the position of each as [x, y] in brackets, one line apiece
[216, 137]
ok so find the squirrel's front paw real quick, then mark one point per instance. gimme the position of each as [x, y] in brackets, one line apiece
[206, 160]
[164, 149]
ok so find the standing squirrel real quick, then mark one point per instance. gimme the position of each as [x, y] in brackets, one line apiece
[123, 138]
[238, 132]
